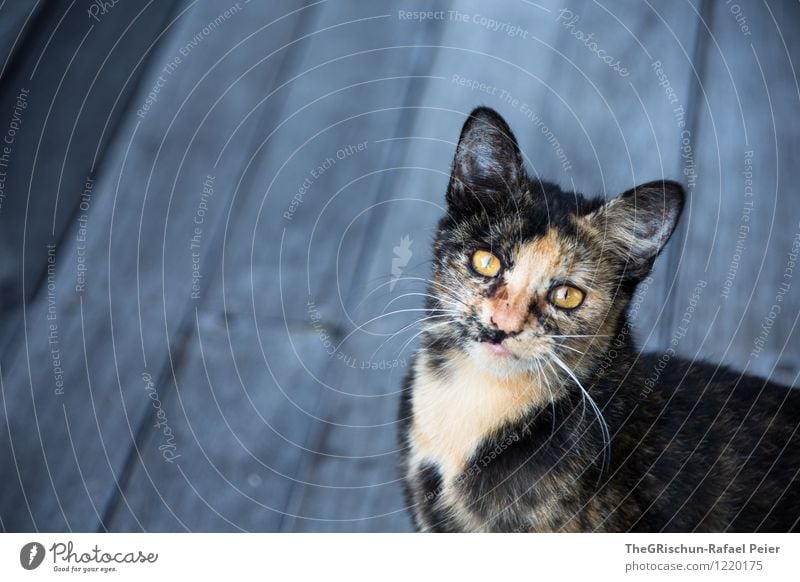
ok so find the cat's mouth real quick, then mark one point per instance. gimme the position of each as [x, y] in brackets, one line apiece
[497, 350]
[494, 344]
[506, 358]
[510, 350]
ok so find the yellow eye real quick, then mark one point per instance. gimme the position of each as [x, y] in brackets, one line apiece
[566, 297]
[485, 263]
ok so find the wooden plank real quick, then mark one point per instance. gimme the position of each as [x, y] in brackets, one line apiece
[351, 482]
[15, 18]
[137, 302]
[345, 88]
[62, 99]
[235, 416]
[563, 86]
[273, 432]
[742, 219]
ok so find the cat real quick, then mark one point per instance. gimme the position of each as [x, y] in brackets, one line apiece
[528, 407]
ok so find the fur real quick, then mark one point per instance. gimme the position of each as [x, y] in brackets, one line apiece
[531, 424]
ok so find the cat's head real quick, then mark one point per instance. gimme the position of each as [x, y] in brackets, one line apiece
[519, 264]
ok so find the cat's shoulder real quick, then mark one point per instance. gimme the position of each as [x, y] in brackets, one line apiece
[696, 378]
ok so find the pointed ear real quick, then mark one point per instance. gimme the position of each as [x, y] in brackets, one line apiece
[639, 222]
[487, 159]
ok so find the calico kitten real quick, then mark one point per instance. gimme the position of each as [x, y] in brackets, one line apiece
[529, 408]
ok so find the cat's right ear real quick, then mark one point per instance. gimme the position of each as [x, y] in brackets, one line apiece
[487, 161]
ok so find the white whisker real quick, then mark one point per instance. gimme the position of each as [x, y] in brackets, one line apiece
[541, 372]
[603, 426]
[413, 337]
[453, 303]
[423, 280]
[571, 348]
[405, 327]
[381, 316]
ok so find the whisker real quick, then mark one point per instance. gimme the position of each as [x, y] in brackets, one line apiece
[376, 318]
[603, 426]
[387, 283]
[541, 372]
[404, 328]
[583, 399]
[571, 348]
[411, 339]
[422, 295]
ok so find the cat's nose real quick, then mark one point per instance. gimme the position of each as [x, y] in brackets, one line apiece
[509, 318]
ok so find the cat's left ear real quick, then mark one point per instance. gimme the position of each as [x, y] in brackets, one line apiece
[640, 221]
[487, 160]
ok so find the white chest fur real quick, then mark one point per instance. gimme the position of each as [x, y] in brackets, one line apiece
[454, 413]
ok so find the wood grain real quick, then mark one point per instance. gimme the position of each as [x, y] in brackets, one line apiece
[245, 376]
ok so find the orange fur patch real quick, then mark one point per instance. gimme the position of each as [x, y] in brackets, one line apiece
[536, 261]
[533, 267]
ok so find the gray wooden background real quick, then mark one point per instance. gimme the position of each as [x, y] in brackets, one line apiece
[206, 208]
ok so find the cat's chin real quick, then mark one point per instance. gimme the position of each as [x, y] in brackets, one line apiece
[496, 359]
[497, 350]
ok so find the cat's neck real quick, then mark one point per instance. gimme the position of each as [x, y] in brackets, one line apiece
[457, 405]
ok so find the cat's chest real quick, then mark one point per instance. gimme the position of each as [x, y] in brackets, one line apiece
[454, 414]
